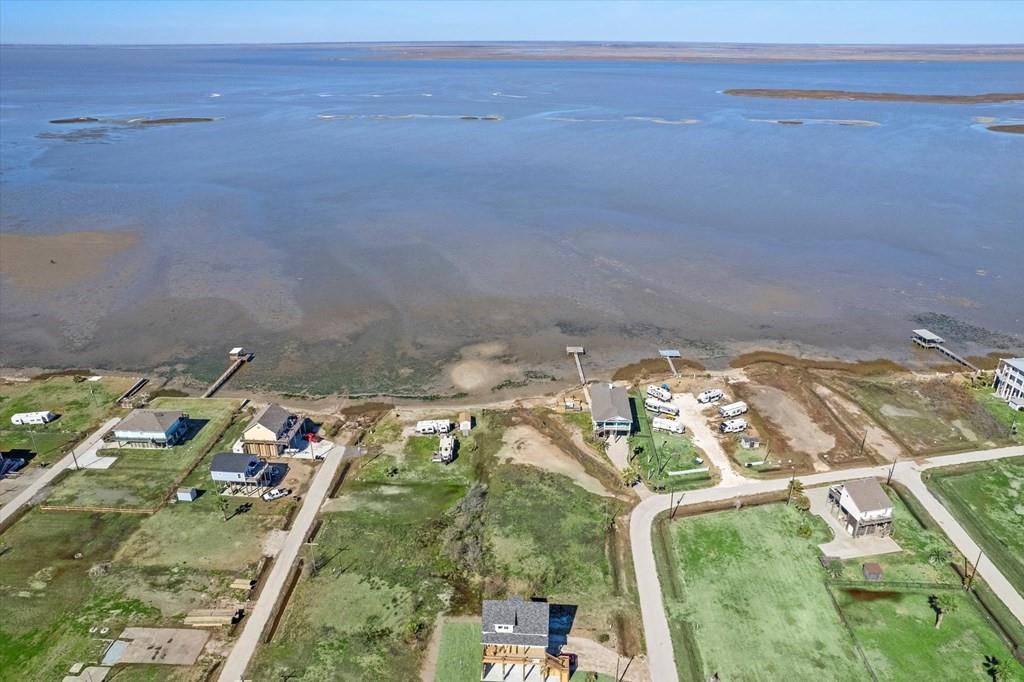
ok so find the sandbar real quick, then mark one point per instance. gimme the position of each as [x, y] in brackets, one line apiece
[786, 93]
[1008, 128]
[43, 263]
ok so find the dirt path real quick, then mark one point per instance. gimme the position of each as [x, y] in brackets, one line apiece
[526, 445]
[690, 413]
[600, 659]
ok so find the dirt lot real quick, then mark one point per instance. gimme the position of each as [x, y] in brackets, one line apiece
[523, 444]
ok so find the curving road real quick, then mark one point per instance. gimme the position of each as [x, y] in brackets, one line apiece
[660, 655]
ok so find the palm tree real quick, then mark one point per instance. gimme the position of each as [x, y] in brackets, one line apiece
[223, 503]
[796, 487]
[942, 604]
[938, 556]
[998, 669]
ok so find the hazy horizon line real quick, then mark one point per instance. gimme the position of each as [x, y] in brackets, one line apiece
[472, 42]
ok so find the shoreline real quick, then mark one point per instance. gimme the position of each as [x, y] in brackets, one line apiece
[853, 95]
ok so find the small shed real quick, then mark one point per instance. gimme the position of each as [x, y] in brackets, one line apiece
[465, 423]
[186, 494]
[872, 572]
[750, 442]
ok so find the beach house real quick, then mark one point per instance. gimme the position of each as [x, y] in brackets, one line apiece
[1009, 381]
[515, 638]
[610, 411]
[272, 431]
[149, 429]
[863, 506]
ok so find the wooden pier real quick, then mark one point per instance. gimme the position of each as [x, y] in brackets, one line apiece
[239, 356]
[576, 352]
[927, 339]
[130, 393]
[668, 354]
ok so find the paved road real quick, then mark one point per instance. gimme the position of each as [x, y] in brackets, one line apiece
[659, 643]
[256, 621]
[67, 462]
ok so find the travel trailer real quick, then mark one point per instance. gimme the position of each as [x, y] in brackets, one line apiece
[429, 426]
[733, 426]
[670, 425]
[22, 418]
[711, 395]
[659, 393]
[732, 409]
[662, 407]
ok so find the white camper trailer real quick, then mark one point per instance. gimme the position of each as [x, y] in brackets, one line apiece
[711, 395]
[428, 426]
[22, 418]
[732, 409]
[733, 426]
[661, 407]
[670, 425]
[659, 393]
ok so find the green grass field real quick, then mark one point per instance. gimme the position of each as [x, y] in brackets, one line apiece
[744, 581]
[662, 453]
[459, 657]
[745, 594]
[898, 635]
[1008, 419]
[142, 478]
[82, 407]
[988, 499]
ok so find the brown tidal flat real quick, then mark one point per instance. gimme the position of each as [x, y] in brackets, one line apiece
[43, 263]
[985, 98]
[171, 121]
[1008, 128]
[76, 119]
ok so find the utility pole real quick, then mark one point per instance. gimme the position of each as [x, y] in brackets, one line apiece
[892, 470]
[970, 582]
[792, 479]
[863, 441]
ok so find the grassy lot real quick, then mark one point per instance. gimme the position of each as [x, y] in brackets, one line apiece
[398, 547]
[133, 570]
[897, 633]
[741, 598]
[932, 415]
[549, 537]
[988, 499]
[1007, 418]
[82, 407]
[723, 599]
[661, 453]
[459, 657]
[582, 421]
[142, 478]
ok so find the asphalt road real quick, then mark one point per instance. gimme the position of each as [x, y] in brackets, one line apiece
[660, 654]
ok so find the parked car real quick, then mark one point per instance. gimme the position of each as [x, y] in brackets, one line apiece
[276, 494]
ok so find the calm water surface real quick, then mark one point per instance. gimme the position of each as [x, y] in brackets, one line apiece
[342, 216]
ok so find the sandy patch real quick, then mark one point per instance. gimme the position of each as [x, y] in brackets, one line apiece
[792, 419]
[894, 411]
[273, 542]
[599, 658]
[478, 370]
[42, 263]
[964, 429]
[525, 445]
[877, 438]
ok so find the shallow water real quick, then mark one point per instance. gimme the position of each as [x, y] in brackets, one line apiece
[357, 221]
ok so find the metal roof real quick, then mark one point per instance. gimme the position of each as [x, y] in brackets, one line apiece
[529, 621]
[608, 403]
[868, 495]
[927, 335]
[149, 421]
[1016, 363]
[231, 463]
[669, 353]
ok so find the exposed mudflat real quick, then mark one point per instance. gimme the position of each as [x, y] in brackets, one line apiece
[790, 93]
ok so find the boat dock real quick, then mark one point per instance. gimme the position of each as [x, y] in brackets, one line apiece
[239, 356]
[668, 354]
[927, 339]
[576, 352]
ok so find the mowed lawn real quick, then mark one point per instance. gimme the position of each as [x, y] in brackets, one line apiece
[898, 634]
[988, 499]
[745, 593]
[142, 478]
[662, 453]
[458, 659]
[82, 406]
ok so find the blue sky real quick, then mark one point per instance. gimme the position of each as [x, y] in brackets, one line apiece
[240, 21]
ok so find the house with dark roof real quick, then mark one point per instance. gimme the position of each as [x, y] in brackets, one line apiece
[230, 467]
[272, 431]
[863, 506]
[515, 638]
[610, 410]
[149, 429]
